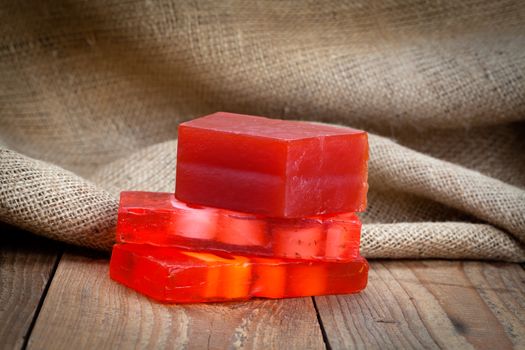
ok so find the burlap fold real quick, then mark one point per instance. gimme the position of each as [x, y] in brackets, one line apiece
[91, 94]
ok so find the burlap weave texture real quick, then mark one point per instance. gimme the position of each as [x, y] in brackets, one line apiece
[95, 91]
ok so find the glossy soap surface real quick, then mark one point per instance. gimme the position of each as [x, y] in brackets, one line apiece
[271, 167]
[173, 275]
[160, 219]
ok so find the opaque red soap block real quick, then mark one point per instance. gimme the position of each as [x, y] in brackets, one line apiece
[160, 219]
[271, 167]
[173, 275]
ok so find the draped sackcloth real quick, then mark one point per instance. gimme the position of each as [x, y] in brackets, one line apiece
[91, 93]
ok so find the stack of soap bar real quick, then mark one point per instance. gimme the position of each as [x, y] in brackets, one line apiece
[271, 167]
[173, 275]
[160, 219]
[263, 208]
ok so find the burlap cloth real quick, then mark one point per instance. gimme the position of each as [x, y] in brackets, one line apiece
[95, 90]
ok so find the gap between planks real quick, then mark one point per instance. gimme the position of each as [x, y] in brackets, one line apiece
[321, 326]
[42, 298]
[27, 263]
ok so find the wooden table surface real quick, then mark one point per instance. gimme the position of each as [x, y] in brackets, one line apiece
[58, 297]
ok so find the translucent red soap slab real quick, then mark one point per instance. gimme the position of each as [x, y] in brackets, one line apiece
[173, 275]
[271, 167]
[160, 219]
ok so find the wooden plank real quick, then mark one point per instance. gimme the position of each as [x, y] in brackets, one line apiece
[430, 304]
[85, 309]
[26, 265]
[502, 289]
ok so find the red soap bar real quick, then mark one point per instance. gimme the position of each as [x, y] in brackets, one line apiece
[271, 167]
[173, 275]
[160, 219]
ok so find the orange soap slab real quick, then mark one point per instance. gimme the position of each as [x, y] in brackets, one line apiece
[159, 219]
[271, 167]
[178, 276]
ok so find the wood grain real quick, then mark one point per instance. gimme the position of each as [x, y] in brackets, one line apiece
[430, 304]
[26, 264]
[408, 304]
[85, 309]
